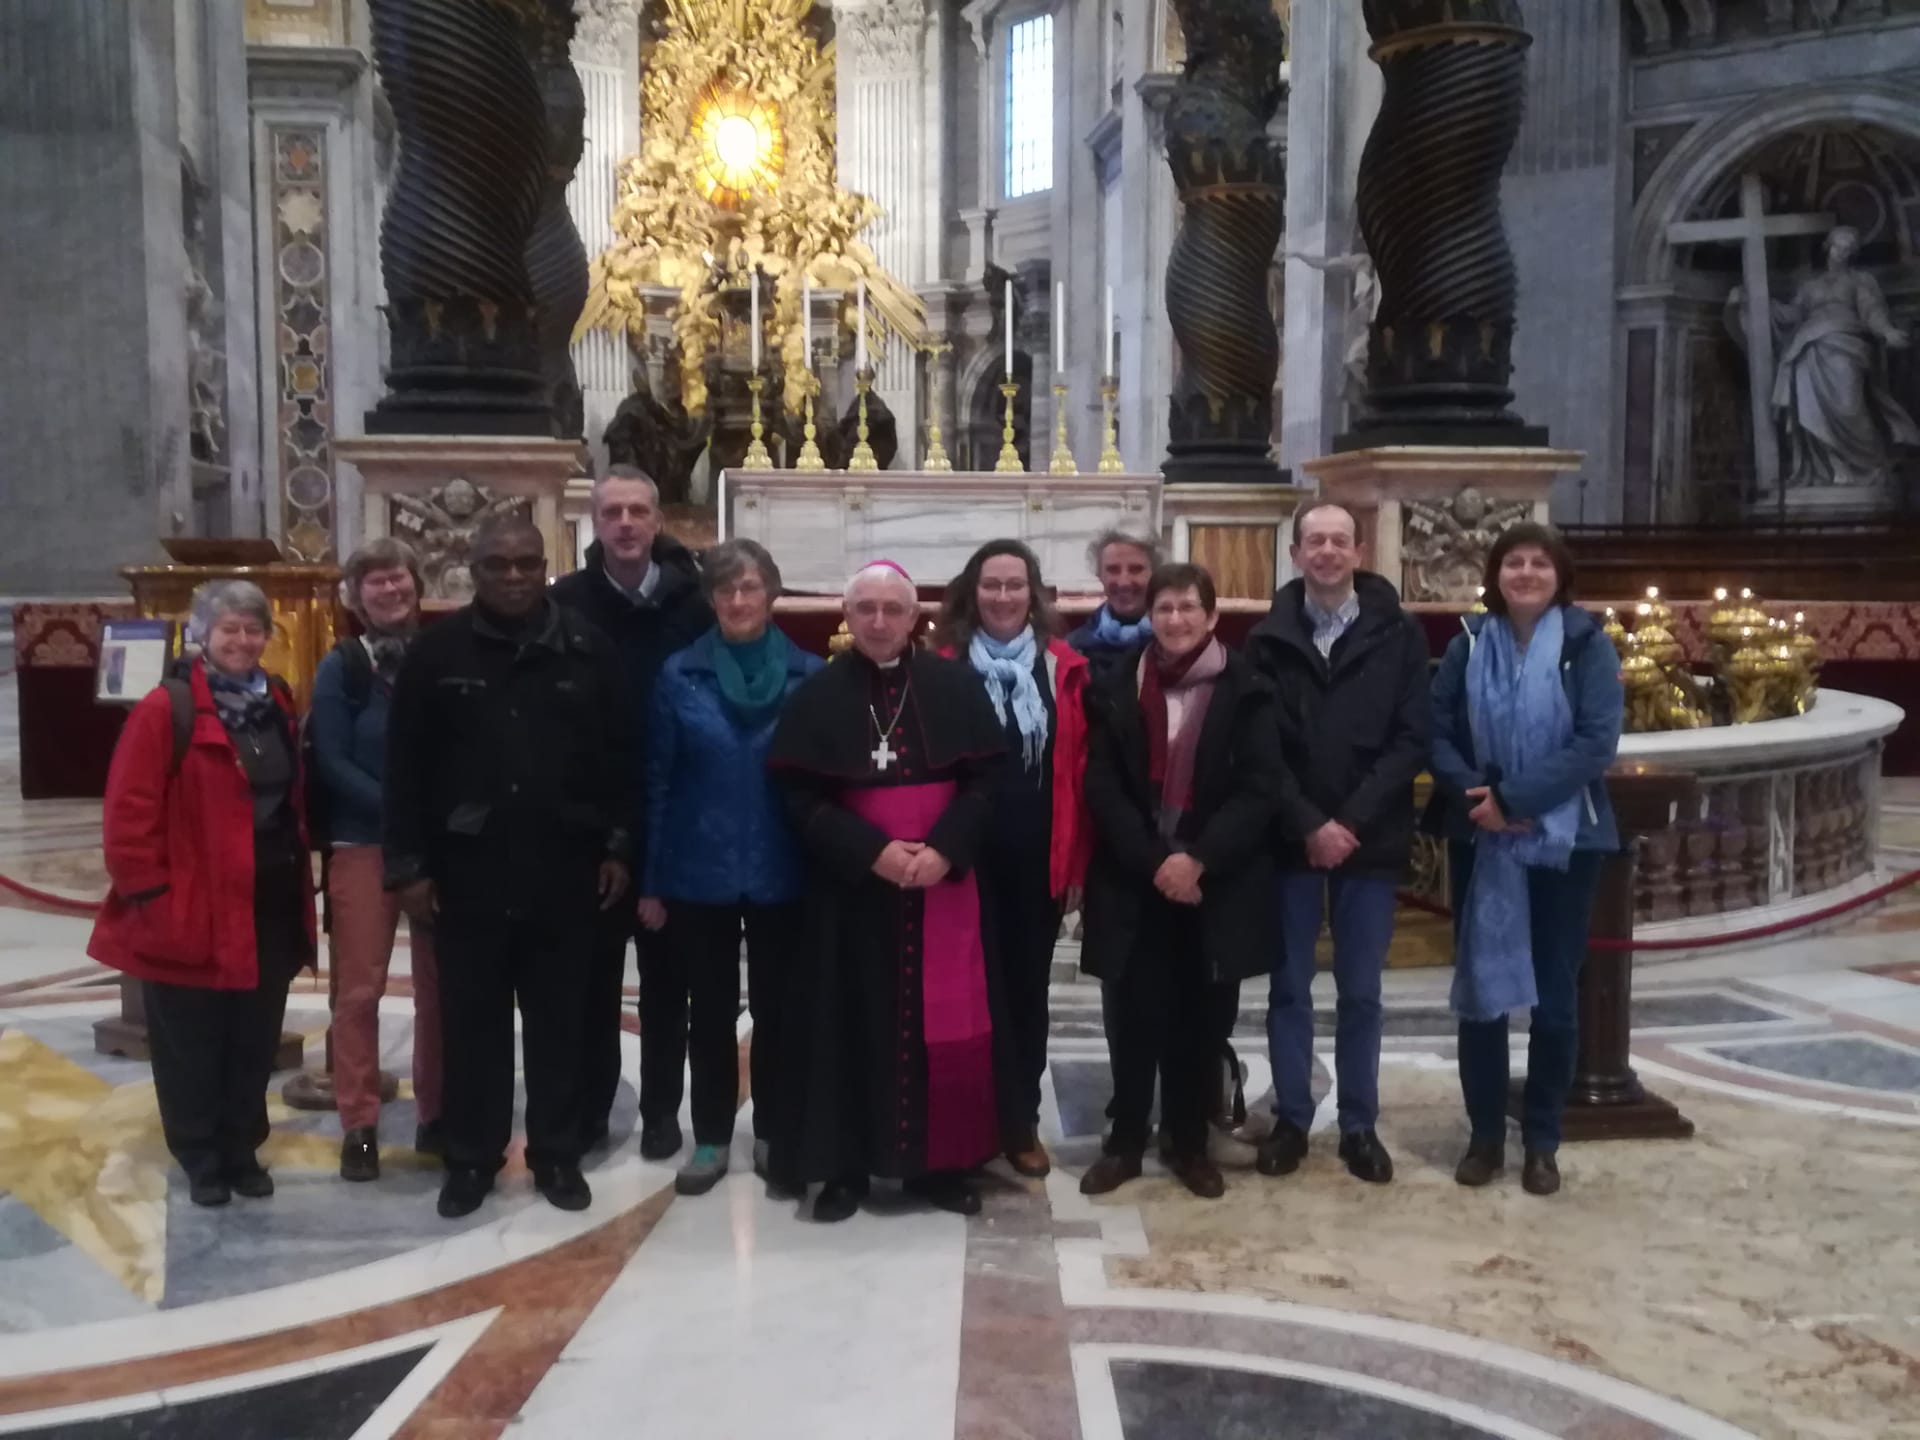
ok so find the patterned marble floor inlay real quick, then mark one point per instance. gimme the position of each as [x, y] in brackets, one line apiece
[1164, 1401]
[1861, 1062]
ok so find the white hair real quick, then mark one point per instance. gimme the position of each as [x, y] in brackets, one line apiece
[225, 597]
[879, 572]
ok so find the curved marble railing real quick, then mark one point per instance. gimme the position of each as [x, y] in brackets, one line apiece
[1788, 809]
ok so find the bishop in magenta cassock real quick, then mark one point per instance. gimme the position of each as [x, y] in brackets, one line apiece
[886, 758]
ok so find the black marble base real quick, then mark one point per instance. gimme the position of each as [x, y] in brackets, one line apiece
[1161, 1401]
[1374, 437]
[1223, 470]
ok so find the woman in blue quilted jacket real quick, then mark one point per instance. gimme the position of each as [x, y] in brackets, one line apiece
[722, 860]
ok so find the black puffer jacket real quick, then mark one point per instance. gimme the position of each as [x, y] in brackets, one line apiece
[1353, 727]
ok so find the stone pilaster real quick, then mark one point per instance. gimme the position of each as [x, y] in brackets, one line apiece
[606, 56]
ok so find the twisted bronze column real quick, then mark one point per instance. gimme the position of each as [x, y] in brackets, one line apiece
[453, 241]
[1441, 346]
[556, 258]
[1232, 180]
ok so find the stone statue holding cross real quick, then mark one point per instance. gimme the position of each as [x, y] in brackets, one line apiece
[1829, 384]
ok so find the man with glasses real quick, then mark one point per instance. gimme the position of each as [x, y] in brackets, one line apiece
[505, 831]
[641, 589]
[888, 759]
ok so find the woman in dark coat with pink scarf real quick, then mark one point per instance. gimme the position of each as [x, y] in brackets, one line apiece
[1183, 764]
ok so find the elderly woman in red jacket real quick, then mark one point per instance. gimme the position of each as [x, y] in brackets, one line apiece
[212, 899]
[998, 619]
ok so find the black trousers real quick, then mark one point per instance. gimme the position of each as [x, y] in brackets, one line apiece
[1223, 1013]
[602, 1006]
[690, 1008]
[213, 1050]
[1163, 1016]
[1025, 922]
[540, 960]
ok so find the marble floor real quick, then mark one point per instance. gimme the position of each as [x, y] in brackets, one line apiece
[1762, 1279]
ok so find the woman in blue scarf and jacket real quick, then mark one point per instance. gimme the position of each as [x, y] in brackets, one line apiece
[721, 856]
[1527, 710]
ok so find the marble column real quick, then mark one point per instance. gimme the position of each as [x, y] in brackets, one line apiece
[1148, 202]
[885, 50]
[1333, 95]
[606, 55]
[121, 323]
[316, 222]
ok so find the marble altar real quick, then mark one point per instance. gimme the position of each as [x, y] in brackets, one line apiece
[824, 526]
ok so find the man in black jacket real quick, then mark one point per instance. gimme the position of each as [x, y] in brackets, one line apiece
[1350, 669]
[642, 590]
[508, 755]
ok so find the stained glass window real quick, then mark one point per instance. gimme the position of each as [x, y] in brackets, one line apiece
[1030, 107]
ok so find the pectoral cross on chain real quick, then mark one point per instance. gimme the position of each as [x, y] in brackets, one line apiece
[884, 755]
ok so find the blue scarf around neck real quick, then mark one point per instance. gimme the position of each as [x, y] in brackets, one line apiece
[1007, 667]
[1518, 712]
[1114, 634]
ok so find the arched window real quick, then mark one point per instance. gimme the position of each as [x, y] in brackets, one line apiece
[1030, 107]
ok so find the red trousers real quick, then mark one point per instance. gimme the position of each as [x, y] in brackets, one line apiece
[365, 917]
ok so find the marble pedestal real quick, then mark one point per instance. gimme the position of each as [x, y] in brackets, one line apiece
[1241, 533]
[1430, 513]
[435, 491]
[822, 527]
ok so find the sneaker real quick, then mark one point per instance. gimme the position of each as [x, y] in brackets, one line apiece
[703, 1171]
[360, 1154]
[1484, 1160]
[660, 1140]
[1366, 1157]
[463, 1191]
[564, 1186]
[1283, 1150]
[251, 1180]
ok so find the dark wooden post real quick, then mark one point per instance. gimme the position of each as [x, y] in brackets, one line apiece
[1608, 1100]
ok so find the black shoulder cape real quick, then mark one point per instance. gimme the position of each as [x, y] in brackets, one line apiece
[826, 730]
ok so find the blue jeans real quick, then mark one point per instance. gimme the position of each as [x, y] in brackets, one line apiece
[1363, 906]
[1560, 905]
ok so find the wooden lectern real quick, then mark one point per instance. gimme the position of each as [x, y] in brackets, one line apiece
[1608, 1101]
[305, 604]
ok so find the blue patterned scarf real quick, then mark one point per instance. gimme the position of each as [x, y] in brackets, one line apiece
[1007, 667]
[1518, 711]
[1114, 634]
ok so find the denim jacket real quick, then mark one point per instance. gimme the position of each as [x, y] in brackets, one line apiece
[1590, 673]
[717, 831]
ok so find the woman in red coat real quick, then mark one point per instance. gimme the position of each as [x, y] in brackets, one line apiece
[212, 899]
[997, 618]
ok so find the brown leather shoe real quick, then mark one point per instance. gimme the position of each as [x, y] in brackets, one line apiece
[1539, 1174]
[1484, 1160]
[1199, 1174]
[1109, 1172]
[1030, 1160]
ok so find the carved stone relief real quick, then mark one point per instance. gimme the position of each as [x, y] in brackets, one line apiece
[1444, 543]
[440, 526]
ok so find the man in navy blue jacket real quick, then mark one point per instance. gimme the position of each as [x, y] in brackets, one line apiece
[642, 590]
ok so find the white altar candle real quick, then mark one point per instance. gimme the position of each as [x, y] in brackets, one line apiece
[1109, 369]
[1009, 328]
[860, 329]
[755, 322]
[1059, 329]
[806, 319]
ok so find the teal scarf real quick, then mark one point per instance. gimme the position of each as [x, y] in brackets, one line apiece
[753, 674]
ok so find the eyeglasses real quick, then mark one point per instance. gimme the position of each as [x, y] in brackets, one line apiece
[511, 564]
[1003, 587]
[740, 590]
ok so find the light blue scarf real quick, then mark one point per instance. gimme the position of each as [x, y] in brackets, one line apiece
[1517, 709]
[1116, 634]
[1007, 667]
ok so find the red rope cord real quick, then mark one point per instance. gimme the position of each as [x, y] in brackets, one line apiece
[49, 899]
[1708, 942]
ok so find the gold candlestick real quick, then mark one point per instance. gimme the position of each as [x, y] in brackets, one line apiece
[1061, 462]
[863, 460]
[810, 461]
[936, 461]
[757, 457]
[1009, 462]
[1110, 461]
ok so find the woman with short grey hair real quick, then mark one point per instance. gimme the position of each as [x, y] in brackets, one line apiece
[211, 906]
[721, 856]
[352, 695]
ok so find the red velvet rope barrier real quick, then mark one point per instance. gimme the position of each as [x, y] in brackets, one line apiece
[1708, 942]
[47, 898]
